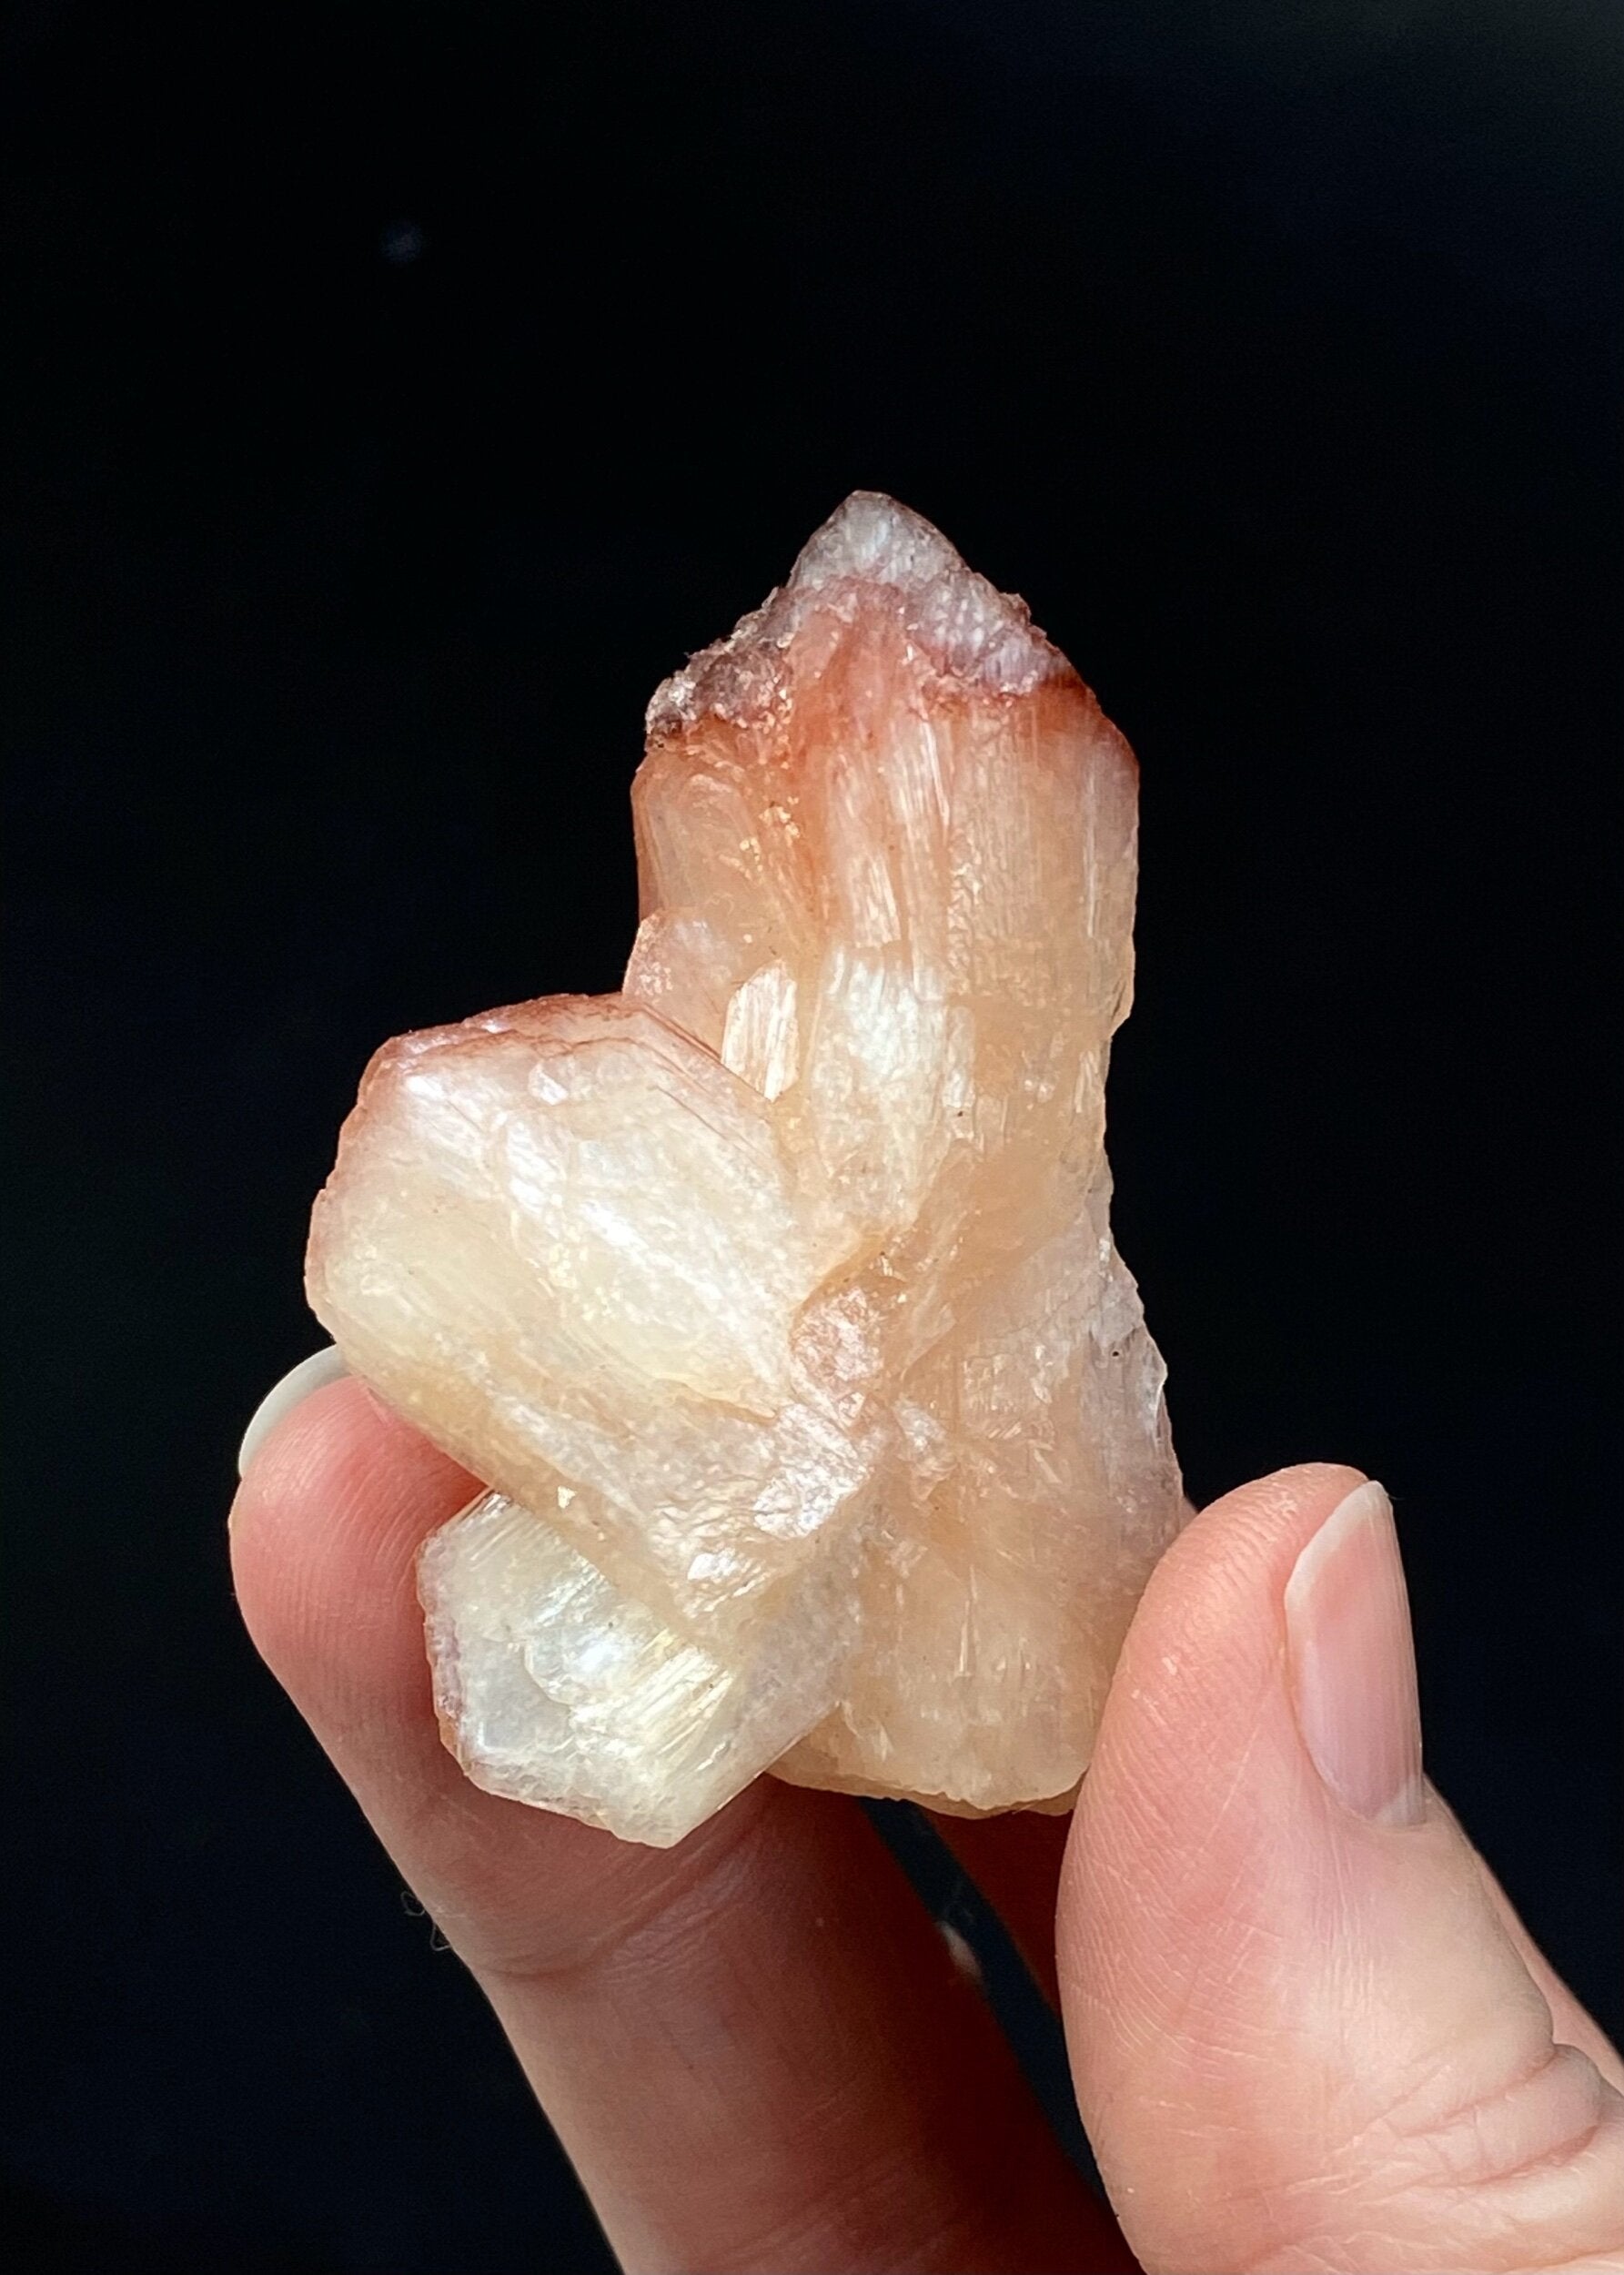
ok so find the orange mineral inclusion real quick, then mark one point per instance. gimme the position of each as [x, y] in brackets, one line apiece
[774, 1297]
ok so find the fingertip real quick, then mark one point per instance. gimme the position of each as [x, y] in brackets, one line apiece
[1267, 1953]
[1198, 1771]
[324, 1533]
[1208, 1629]
[325, 1530]
[1260, 1527]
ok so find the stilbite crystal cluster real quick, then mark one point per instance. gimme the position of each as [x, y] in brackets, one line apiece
[774, 1297]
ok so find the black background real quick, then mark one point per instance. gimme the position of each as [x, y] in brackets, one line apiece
[400, 390]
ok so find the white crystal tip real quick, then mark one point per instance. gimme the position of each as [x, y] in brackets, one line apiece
[971, 630]
[872, 536]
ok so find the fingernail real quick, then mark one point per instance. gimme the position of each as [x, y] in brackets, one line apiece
[322, 1366]
[1352, 1661]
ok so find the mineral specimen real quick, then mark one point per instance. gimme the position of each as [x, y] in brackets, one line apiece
[774, 1297]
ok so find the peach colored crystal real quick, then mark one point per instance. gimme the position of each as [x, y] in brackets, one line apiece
[774, 1297]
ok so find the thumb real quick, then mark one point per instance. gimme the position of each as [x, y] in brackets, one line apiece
[1304, 2035]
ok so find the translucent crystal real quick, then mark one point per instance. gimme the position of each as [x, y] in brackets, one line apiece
[774, 1297]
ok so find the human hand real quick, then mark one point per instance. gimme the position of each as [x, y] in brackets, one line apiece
[1306, 2031]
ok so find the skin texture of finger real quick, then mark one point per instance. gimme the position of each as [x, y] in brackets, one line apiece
[754, 2047]
[1015, 1862]
[1302, 2037]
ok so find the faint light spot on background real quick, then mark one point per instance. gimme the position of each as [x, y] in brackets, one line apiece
[401, 243]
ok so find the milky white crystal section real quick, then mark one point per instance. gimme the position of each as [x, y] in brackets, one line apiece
[776, 1296]
[541, 1663]
[562, 1240]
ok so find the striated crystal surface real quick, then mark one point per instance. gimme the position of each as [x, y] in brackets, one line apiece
[774, 1297]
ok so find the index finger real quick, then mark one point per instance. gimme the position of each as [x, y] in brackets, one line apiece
[754, 2047]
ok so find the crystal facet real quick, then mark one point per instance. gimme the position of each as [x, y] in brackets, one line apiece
[774, 1297]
